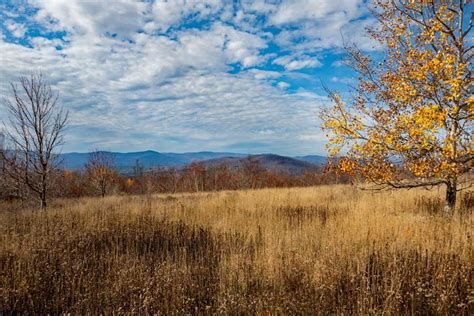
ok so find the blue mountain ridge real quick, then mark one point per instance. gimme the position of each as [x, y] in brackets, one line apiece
[152, 159]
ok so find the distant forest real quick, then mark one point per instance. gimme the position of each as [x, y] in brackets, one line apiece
[101, 177]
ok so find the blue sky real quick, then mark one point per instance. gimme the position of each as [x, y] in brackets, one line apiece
[179, 76]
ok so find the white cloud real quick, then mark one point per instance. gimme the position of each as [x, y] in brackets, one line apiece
[93, 18]
[17, 29]
[264, 74]
[296, 11]
[339, 63]
[297, 62]
[323, 24]
[312, 137]
[111, 105]
[170, 13]
[180, 75]
[343, 80]
[283, 85]
[259, 6]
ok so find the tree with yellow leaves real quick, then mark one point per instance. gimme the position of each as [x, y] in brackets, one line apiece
[409, 119]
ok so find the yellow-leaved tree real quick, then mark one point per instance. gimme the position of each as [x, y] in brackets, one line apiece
[408, 122]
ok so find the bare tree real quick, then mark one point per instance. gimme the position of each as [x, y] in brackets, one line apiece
[4, 188]
[35, 131]
[252, 171]
[100, 170]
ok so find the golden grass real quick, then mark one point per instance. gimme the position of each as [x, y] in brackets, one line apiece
[328, 249]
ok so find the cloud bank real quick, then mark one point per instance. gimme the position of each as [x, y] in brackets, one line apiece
[184, 75]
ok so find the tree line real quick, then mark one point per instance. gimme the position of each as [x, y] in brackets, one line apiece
[101, 177]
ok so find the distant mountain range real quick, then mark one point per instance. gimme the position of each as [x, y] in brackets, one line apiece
[152, 159]
[271, 162]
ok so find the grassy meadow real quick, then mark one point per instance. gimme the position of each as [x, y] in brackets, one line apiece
[318, 250]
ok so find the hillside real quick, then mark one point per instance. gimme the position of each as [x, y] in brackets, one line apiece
[315, 159]
[152, 159]
[269, 162]
[148, 159]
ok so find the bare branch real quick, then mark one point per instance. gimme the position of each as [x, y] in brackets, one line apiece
[37, 124]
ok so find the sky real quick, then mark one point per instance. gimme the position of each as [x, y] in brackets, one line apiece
[182, 76]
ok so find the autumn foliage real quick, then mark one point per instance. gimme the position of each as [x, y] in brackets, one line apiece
[408, 122]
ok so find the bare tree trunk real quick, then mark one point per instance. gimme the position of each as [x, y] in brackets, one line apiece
[44, 189]
[36, 129]
[43, 203]
[450, 201]
[103, 188]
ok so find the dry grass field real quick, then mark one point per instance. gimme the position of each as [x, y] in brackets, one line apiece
[320, 250]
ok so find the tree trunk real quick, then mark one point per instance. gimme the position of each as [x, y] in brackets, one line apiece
[44, 188]
[43, 202]
[450, 201]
